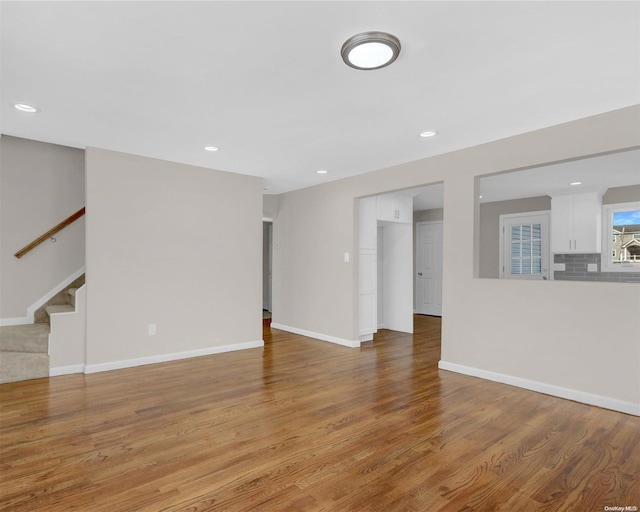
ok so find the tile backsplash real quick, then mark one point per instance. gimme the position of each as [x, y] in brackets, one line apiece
[576, 270]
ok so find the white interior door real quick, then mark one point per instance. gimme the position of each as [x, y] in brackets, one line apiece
[398, 277]
[429, 268]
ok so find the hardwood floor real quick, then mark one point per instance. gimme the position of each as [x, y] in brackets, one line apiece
[304, 425]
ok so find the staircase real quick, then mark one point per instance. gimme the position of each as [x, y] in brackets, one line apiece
[24, 349]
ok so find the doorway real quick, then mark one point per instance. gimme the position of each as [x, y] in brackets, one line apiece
[389, 294]
[267, 252]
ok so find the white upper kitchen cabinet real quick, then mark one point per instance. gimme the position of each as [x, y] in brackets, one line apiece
[395, 207]
[576, 223]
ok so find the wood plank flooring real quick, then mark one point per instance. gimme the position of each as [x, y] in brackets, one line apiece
[304, 425]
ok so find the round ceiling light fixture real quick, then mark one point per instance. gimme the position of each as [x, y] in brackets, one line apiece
[23, 107]
[210, 148]
[428, 134]
[370, 50]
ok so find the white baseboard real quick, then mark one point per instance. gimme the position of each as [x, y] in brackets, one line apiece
[66, 370]
[163, 358]
[548, 389]
[31, 310]
[317, 335]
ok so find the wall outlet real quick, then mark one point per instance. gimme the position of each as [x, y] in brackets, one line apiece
[346, 257]
[151, 330]
[592, 267]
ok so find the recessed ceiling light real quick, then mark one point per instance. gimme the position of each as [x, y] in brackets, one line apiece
[210, 148]
[428, 133]
[370, 50]
[574, 183]
[322, 171]
[23, 107]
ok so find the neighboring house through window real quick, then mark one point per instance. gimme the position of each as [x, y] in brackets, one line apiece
[622, 251]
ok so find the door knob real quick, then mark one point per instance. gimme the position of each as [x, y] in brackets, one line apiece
[419, 273]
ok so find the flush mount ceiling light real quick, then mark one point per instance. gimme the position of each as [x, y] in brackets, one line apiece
[210, 148]
[322, 171]
[370, 50]
[428, 134]
[574, 183]
[23, 107]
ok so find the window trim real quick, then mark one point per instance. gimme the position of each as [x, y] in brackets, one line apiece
[607, 246]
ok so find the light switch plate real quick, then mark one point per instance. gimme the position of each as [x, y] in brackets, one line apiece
[559, 267]
[592, 267]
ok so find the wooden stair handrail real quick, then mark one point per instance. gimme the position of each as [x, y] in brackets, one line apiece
[50, 233]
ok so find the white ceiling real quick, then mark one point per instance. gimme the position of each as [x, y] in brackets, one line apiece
[264, 81]
[595, 174]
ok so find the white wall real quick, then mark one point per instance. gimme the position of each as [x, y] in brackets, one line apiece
[311, 233]
[173, 245]
[269, 206]
[567, 342]
[68, 338]
[40, 186]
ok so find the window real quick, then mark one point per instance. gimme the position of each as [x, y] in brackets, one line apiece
[623, 222]
[526, 249]
[525, 246]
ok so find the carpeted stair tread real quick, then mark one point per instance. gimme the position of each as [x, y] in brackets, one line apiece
[31, 338]
[17, 366]
[62, 308]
